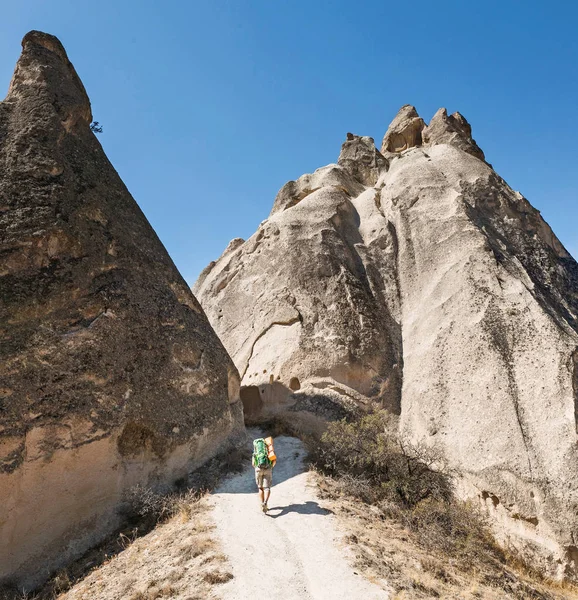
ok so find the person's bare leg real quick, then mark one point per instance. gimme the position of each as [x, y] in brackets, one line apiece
[261, 495]
[267, 494]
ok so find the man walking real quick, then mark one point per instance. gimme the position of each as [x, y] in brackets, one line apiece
[263, 460]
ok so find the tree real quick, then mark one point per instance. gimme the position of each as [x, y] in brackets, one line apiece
[96, 127]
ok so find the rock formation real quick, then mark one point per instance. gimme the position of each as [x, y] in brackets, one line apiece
[110, 374]
[416, 278]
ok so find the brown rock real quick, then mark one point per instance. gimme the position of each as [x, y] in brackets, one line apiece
[110, 372]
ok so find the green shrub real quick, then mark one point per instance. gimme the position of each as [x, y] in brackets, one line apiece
[370, 452]
[454, 528]
[368, 460]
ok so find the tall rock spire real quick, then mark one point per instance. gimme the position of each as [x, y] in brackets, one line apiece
[416, 278]
[46, 79]
[110, 372]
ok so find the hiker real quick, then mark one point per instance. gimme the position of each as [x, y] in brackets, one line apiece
[264, 460]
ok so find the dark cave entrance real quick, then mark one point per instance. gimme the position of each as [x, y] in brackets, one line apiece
[294, 384]
[252, 401]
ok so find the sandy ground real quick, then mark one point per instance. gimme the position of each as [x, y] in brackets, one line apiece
[292, 553]
[316, 543]
[178, 560]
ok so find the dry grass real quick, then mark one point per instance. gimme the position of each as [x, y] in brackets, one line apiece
[217, 577]
[389, 553]
[405, 530]
[166, 534]
[406, 484]
[178, 559]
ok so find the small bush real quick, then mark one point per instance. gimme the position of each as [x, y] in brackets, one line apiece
[277, 425]
[217, 577]
[408, 483]
[144, 505]
[454, 528]
[369, 457]
[61, 582]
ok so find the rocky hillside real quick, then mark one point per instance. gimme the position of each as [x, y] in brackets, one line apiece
[416, 278]
[110, 373]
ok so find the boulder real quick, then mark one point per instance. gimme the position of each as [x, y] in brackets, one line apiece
[428, 286]
[110, 373]
[360, 157]
[404, 132]
[453, 130]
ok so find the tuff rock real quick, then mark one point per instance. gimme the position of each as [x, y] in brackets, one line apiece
[110, 373]
[404, 132]
[416, 278]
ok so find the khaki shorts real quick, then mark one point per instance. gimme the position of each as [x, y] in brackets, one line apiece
[264, 477]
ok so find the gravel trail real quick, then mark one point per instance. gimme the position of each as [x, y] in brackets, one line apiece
[292, 553]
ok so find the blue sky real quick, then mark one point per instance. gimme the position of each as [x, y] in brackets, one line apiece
[210, 107]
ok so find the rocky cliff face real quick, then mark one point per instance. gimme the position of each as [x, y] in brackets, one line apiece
[417, 278]
[110, 374]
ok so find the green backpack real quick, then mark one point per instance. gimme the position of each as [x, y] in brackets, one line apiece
[260, 454]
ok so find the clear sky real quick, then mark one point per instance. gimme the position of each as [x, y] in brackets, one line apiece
[210, 107]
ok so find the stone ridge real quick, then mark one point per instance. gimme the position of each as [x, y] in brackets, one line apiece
[362, 163]
[417, 279]
[110, 373]
[408, 130]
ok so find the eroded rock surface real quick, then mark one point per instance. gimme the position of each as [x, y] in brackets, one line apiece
[418, 279]
[404, 132]
[453, 130]
[110, 373]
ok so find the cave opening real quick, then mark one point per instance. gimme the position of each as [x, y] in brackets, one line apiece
[294, 384]
[252, 401]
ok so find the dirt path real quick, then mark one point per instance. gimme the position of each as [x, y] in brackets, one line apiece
[292, 553]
